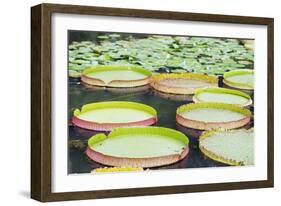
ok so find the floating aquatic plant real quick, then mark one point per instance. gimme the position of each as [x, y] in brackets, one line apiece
[138, 147]
[172, 54]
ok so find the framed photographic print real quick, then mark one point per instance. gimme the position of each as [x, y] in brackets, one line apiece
[130, 102]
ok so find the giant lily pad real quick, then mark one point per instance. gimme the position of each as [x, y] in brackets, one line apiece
[240, 78]
[233, 147]
[105, 116]
[207, 116]
[138, 147]
[184, 83]
[222, 95]
[116, 76]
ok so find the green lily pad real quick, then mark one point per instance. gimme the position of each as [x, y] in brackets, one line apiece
[142, 147]
[222, 95]
[156, 51]
[233, 147]
[118, 74]
[106, 116]
[241, 78]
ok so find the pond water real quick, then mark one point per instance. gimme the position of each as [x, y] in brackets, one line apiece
[166, 106]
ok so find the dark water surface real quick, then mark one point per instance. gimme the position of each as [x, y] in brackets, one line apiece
[166, 106]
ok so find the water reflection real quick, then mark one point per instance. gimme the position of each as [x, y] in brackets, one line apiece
[117, 90]
[174, 97]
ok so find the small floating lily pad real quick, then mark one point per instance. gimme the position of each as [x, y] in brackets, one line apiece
[116, 76]
[105, 116]
[249, 44]
[222, 95]
[207, 116]
[240, 78]
[184, 83]
[232, 147]
[74, 74]
[212, 56]
[138, 147]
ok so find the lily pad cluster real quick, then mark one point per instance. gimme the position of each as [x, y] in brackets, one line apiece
[162, 54]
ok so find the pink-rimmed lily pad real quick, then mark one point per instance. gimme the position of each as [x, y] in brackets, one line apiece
[138, 147]
[210, 115]
[106, 116]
